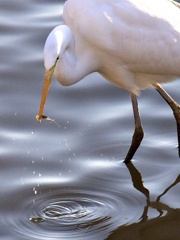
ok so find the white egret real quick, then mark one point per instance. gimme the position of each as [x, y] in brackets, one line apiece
[134, 44]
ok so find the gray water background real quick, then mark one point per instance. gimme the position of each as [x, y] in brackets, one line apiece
[69, 182]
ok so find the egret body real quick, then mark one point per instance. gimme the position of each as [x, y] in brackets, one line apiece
[134, 44]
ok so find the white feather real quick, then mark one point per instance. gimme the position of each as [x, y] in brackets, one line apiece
[131, 43]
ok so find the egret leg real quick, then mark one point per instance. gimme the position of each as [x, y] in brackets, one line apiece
[174, 106]
[138, 133]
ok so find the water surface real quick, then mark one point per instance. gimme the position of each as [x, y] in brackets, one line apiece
[69, 181]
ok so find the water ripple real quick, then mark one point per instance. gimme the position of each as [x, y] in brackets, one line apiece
[85, 214]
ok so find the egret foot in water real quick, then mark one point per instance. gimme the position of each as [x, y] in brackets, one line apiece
[174, 106]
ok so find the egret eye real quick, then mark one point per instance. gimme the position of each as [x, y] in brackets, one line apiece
[56, 60]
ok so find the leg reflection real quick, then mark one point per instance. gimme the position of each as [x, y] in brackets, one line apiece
[167, 189]
[164, 226]
[138, 184]
[137, 180]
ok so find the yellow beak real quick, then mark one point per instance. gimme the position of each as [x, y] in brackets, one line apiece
[47, 83]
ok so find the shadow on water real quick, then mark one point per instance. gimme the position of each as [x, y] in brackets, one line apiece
[165, 226]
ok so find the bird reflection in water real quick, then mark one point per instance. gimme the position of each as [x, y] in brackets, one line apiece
[165, 227]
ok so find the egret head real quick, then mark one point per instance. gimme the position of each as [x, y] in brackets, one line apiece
[54, 47]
